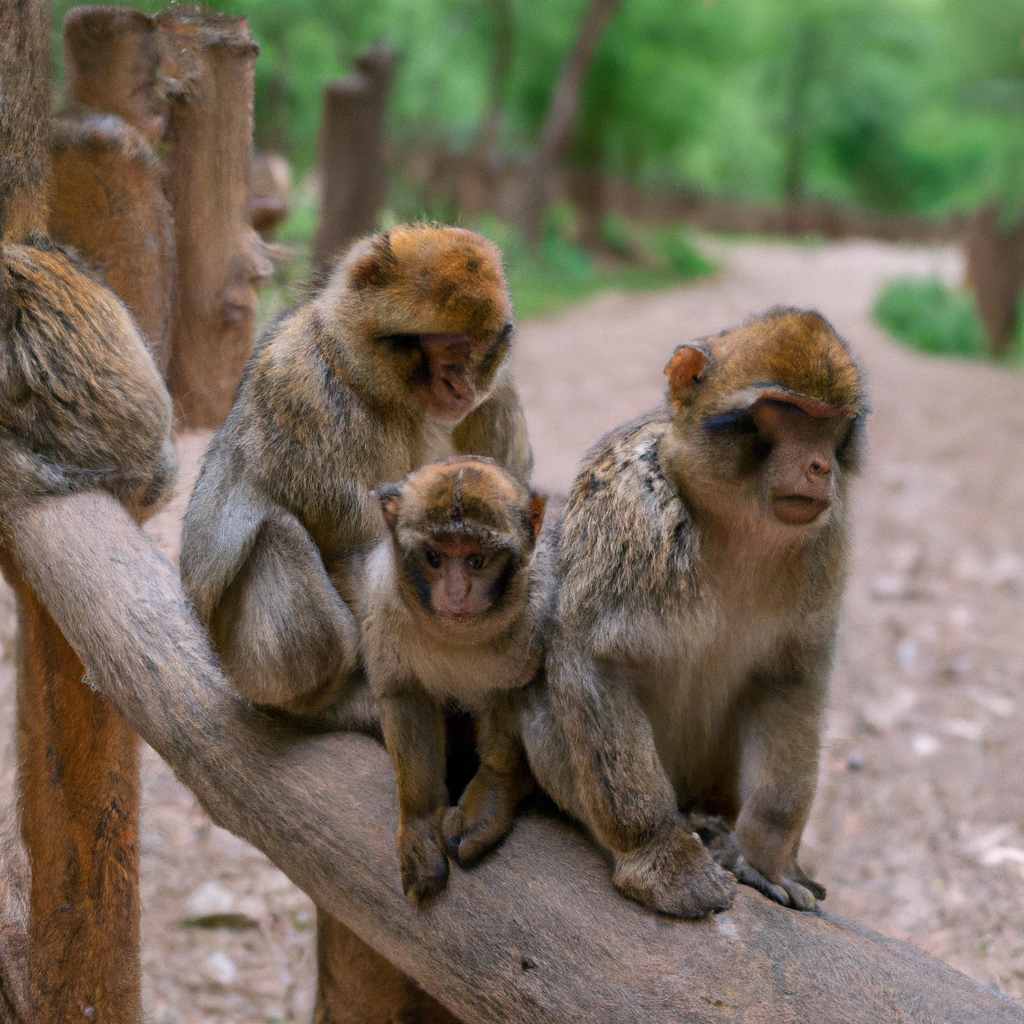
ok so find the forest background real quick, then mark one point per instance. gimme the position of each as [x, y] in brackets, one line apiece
[893, 106]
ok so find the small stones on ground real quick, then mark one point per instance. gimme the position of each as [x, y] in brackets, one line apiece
[924, 744]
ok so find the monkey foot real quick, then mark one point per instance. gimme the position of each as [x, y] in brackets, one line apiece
[422, 861]
[676, 876]
[483, 815]
[794, 890]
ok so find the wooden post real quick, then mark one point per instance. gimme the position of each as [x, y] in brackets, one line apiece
[221, 259]
[535, 933]
[995, 273]
[79, 781]
[106, 196]
[352, 165]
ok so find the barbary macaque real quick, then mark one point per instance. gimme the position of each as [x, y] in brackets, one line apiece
[399, 360]
[452, 613]
[700, 561]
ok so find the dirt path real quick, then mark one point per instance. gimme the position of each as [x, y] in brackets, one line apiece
[918, 828]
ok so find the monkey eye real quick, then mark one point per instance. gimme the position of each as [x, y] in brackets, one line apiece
[475, 561]
[432, 557]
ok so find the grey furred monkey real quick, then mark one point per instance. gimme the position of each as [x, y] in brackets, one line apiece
[701, 562]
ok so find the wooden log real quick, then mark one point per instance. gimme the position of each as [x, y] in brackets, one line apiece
[995, 272]
[79, 784]
[221, 259]
[353, 171]
[106, 195]
[535, 934]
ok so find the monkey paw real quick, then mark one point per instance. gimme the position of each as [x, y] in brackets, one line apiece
[675, 876]
[794, 889]
[422, 861]
[483, 815]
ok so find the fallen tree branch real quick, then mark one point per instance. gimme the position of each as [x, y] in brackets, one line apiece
[535, 933]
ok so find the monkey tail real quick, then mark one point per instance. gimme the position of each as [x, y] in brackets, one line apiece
[24, 122]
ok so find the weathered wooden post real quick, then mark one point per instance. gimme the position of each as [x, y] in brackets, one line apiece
[106, 194]
[995, 273]
[353, 173]
[221, 259]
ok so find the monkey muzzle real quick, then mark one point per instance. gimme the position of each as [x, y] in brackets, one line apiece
[448, 391]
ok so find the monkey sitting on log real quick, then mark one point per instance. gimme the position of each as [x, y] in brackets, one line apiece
[399, 360]
[453, 612]
[700, 563]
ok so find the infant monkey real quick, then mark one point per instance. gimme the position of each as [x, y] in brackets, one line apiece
[452, 610]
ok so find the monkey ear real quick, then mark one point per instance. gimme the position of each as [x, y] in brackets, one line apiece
[535, 511]
[390, 498]
[683, 371]
[375, 267]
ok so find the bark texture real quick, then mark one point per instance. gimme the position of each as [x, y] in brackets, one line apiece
[995, 272]
[221, 259]
[353, 170]
[79, 784]
[106, 195]
[533, 934]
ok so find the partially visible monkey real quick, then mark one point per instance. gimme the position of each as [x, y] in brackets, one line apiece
[82, 407]
[701, 561]
[82, 404]
[401, 359]
[452, 612]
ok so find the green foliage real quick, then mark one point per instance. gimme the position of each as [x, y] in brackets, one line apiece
[931, 317]
[911, 105]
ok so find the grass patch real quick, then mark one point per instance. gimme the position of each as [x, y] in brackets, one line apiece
[562, 272]
[931, 317]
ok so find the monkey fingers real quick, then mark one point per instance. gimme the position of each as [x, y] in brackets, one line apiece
[484, 813]
[802, 894]
[675, 876]
[422, 860]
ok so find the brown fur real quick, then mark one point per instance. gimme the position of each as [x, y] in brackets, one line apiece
[418, 661]
[331, 405]
[82, 408]
[695, 629]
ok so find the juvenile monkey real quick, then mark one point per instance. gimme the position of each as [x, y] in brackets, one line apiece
[453, 612]
[398, 361]
[701, 561]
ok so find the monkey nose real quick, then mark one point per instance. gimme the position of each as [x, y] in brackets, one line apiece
[819, 468]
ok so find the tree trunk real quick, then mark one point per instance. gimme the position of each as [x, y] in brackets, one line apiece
[353, 172]
[221, 259]
[995, 273]
[79, 784]
[106, 196]
[557, 131]
[535, 934]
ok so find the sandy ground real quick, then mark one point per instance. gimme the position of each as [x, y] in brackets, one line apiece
[918, 827]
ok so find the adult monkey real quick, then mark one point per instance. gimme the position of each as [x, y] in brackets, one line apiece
[398, 361]
[701, 561]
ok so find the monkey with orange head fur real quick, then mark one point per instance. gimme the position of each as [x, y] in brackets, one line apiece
[453, 612]
[399, 360]
[700, 563]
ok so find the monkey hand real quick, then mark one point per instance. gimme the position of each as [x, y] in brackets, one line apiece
[675, 875]
[792, 888]
[421, 858]
[485, 813]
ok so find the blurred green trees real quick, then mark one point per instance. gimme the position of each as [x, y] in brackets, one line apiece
[914, 105]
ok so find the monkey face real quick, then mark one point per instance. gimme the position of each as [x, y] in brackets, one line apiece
[458, 580]
[784, 456]
[463, 531]
[423, 319]
[448, 373]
